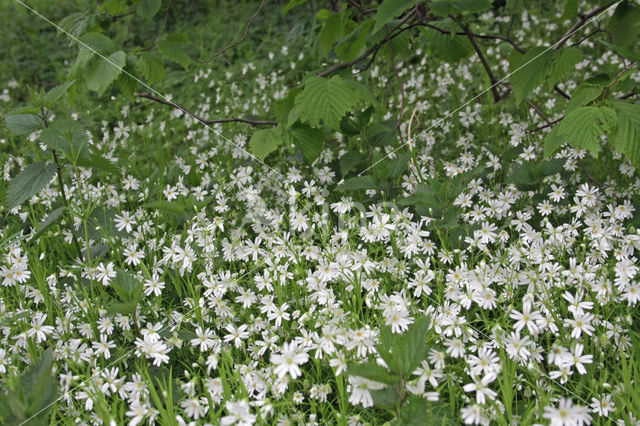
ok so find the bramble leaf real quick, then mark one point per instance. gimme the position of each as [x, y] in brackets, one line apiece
[22, 124]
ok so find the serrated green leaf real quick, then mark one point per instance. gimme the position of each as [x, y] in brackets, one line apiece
[97, 42]
[552, 142]
[48, 221]
[22, 124]
[584, 94]
[66, 136]
[563, 64]
[372, 371]
[622, 26]
[398, 165]
[104, 72]
[148, 8]
[583, 127]
[325, 100]
[310, 141]
[472, 6]
[264, 142]
[447, 47]
[354, 43]
[528, 70]
[389, 9]
[151, 67]
[174, 53]
[56, 93]
[282, 107]
[29, 182]
[386, 398]
[627, 137]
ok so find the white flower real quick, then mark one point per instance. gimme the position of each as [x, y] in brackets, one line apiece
[239, 413]
[289, 360]
[567, 414]
[481, 387]
[360, 388]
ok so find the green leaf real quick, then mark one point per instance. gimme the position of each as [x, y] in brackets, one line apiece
[354, 43]
[174, 53]
[291, 5]
[148, 8]
[282, 107]
[514, 6]
[372, 371]
[98, 162]
[349, 160]
[126, 286]
[358, 183]
[325, 101]
[627, 138]
[22, 124]
[447, 47]
[98, 42]
[622, 26]
[264, 142]
[48, 221]
[29, 182]
[624, 52]
[386, 398]
[310, 141]
[66, 136]
[151, 67]
[583, 94]
[552, 142]
[528, 70]
[563, 64]
[570, 9]
[389, 9]
[330, 33]
[104, 72]
[398, 165]
[412, 346]
[417, 411]
[583, 127]
[56, 93]
[472, 6]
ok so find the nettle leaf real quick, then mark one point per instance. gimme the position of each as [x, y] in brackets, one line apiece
[148, 8]
[33, 179]
[104, 72]
[23, 124]
[389, 9]
[627, 138]
[583, 127]
[151, 67]
[66, 136]
[48, 221]
[563, 64]
[325, 101]
[528, 70]
[372, 371]
[56, 93]
[126, 286]
[264, 142]
[174, 53]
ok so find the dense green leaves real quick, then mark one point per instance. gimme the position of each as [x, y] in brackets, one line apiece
[264, 142]
[173, 52]
[22, 124]
[29, 182]
[151, 67]
[104, 72]
[451, 48]
[325, 101]
[148, 8]
[563, 64]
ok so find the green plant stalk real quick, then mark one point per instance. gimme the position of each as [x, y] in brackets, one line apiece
[66, 205]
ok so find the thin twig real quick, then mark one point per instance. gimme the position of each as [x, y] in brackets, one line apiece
[562, 92]
[549, 124]
[481, 36]
[483, 60]
[583, 20]
[537, 110]
[203, 120]
[610, 85]
[240, 40]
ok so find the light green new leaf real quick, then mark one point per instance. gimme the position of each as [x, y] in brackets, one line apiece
[325, 100]
[584, 94]
[389, 9]
[22, 124]
[583, 127]
[56, 93]
[330, 33]
[174, 53]
[148, 8]
[627, 138]
[264, 142]
[126, 286]
[29, 182]
[528, 70]
[563, 64]
[104, 72]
